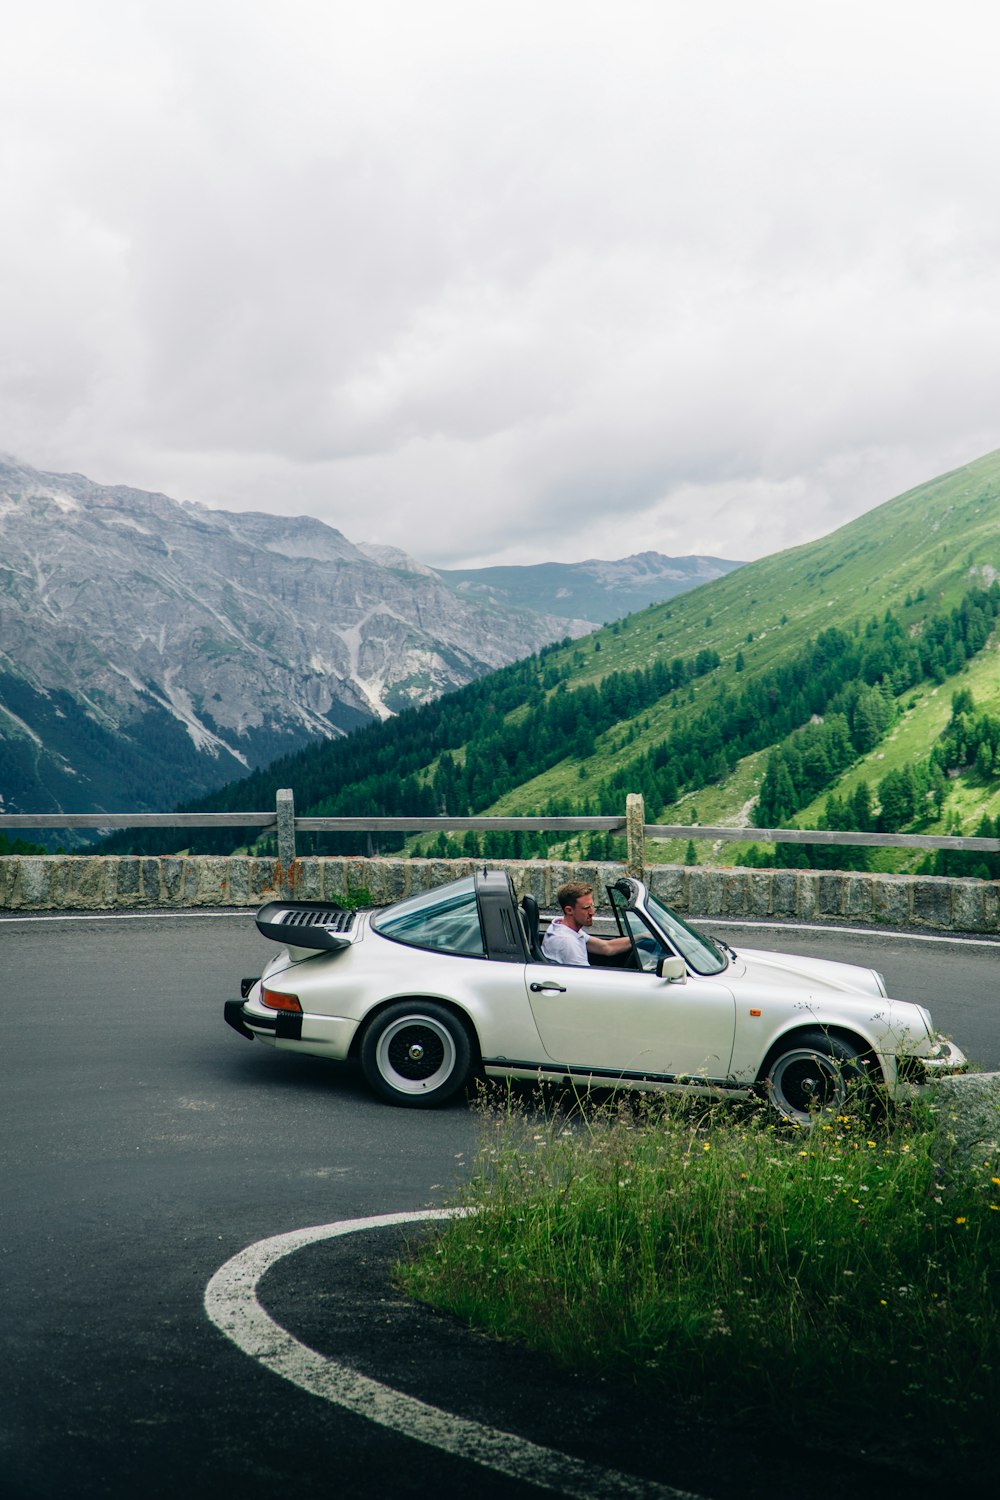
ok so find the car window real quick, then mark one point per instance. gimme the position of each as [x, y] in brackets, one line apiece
[446, 919]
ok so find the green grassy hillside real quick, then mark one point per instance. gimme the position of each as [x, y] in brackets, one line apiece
[686, 700]
[937, 539]
[917, 555]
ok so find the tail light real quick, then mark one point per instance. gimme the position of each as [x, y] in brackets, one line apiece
[278, 1000]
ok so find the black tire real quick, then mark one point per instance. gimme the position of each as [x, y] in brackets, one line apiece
[811, 1076]
[416, 1054]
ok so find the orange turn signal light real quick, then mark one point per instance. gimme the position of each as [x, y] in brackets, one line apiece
[277, 1000]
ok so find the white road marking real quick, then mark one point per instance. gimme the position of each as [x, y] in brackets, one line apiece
[884, 932]
[231, 1303]
[966, 940]
[125, 916]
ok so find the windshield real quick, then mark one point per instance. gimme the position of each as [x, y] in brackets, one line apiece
[446, 919]
[697, 951]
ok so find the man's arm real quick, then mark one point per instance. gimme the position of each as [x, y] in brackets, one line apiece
[608, 946]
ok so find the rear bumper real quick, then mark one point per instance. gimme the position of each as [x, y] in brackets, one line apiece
[277, 1026]
[234, 1017]
[319, 1035]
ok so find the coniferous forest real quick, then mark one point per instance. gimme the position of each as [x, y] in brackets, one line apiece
[822, 708]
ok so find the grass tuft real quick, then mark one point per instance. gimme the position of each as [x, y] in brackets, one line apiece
[827, 1276]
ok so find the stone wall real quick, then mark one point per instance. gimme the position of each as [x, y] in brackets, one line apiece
[134, 883]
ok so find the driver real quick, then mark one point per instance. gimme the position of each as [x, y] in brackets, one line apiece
[567, 941]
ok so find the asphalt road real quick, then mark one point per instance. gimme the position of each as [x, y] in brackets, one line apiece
[144, 1144]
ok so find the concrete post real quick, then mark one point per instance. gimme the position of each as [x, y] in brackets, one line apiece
[635, 834]
[285, 809]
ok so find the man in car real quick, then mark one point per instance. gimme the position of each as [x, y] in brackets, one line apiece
[567, 940]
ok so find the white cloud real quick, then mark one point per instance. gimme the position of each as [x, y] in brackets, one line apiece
[508, 280]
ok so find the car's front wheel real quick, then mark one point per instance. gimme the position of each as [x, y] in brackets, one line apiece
[813, 1075]
[416, 1053]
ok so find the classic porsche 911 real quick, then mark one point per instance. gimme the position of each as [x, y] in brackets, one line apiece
[454, 982]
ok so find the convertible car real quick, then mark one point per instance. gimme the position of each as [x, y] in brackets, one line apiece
[453, 981]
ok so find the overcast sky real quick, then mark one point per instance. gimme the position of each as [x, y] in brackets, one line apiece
[502, 281]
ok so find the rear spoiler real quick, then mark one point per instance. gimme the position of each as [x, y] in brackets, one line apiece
[322, 925]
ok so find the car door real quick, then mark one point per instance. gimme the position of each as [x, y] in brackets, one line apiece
[623, 1021]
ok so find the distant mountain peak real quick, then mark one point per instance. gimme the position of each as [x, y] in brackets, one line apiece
[596, 590]
[394, 557]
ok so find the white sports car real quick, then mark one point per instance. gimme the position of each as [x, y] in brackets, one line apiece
[453, 981]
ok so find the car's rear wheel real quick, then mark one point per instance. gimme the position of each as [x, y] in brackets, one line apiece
[416, 1053]
[812, 1076]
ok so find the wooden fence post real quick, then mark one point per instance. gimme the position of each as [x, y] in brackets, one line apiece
[635, 834]
[285, 810]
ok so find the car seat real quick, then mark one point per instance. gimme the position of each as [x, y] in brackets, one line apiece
[529, 909]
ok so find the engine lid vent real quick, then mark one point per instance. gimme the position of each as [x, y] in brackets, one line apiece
[307, 924]
[335, 919]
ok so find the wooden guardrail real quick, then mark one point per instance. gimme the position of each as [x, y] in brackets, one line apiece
[818, 836]
[284, 822]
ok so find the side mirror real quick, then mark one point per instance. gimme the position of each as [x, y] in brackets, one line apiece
[673, 969]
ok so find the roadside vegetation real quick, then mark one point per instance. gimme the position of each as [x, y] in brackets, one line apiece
[841, 1278]
[19, 846]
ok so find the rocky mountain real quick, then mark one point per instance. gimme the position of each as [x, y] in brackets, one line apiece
[152, 649]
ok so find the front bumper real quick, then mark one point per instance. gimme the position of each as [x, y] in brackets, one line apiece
[948, 1059]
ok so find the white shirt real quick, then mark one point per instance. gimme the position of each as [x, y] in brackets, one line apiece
[561, 945]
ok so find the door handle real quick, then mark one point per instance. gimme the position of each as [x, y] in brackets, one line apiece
[559, 989]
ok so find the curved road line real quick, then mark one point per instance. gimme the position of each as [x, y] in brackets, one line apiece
[231, 1303]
